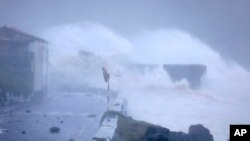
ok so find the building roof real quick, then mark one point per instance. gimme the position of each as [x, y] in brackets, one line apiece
[13, 34]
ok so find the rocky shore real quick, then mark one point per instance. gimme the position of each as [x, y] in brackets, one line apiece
[129, 129]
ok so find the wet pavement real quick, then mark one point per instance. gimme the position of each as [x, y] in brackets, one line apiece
[75, 116]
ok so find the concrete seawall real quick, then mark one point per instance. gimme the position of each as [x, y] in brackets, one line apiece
[192, 73]
[108, 123]
[116, 126]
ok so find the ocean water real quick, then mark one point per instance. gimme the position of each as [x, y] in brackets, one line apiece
[222, 99]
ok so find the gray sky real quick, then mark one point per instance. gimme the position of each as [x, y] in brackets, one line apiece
[222, 24]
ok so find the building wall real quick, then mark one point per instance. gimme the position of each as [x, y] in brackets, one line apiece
[16, 75]
[40, 66]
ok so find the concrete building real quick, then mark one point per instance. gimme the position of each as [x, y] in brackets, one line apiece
[23, 64]
[193, 73]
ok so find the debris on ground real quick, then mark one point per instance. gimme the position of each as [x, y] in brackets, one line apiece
[23, 132]
[91, 115]
[88, 95]
[28, 111]
[54, 129]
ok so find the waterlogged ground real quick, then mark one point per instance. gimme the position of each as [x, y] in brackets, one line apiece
[76, 114]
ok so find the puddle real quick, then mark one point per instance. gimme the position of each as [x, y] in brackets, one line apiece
[3, 131]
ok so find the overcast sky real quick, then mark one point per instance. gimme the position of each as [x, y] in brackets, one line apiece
[222, 24]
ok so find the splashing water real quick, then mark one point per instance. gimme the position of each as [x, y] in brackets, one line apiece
[222, 99]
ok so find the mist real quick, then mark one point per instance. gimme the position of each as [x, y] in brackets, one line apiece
[221, 100]
[84, 36]
[223, 25]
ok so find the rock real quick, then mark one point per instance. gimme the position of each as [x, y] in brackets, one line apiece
[54, 129]
[200, 133]
[99, 139]
[28, 111]
[157, 137]
[196, 133]
[71, 139]
[91, 116]
[151, 131]
[129, 129]
[163, 134]
[179, 136]
[23, 132]
[62, 122]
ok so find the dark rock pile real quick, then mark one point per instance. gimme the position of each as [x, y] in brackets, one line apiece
[54, 129]
[129, 129]
[196, 133]
[200, 133]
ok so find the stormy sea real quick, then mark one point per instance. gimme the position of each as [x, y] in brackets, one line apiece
[78, 52]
